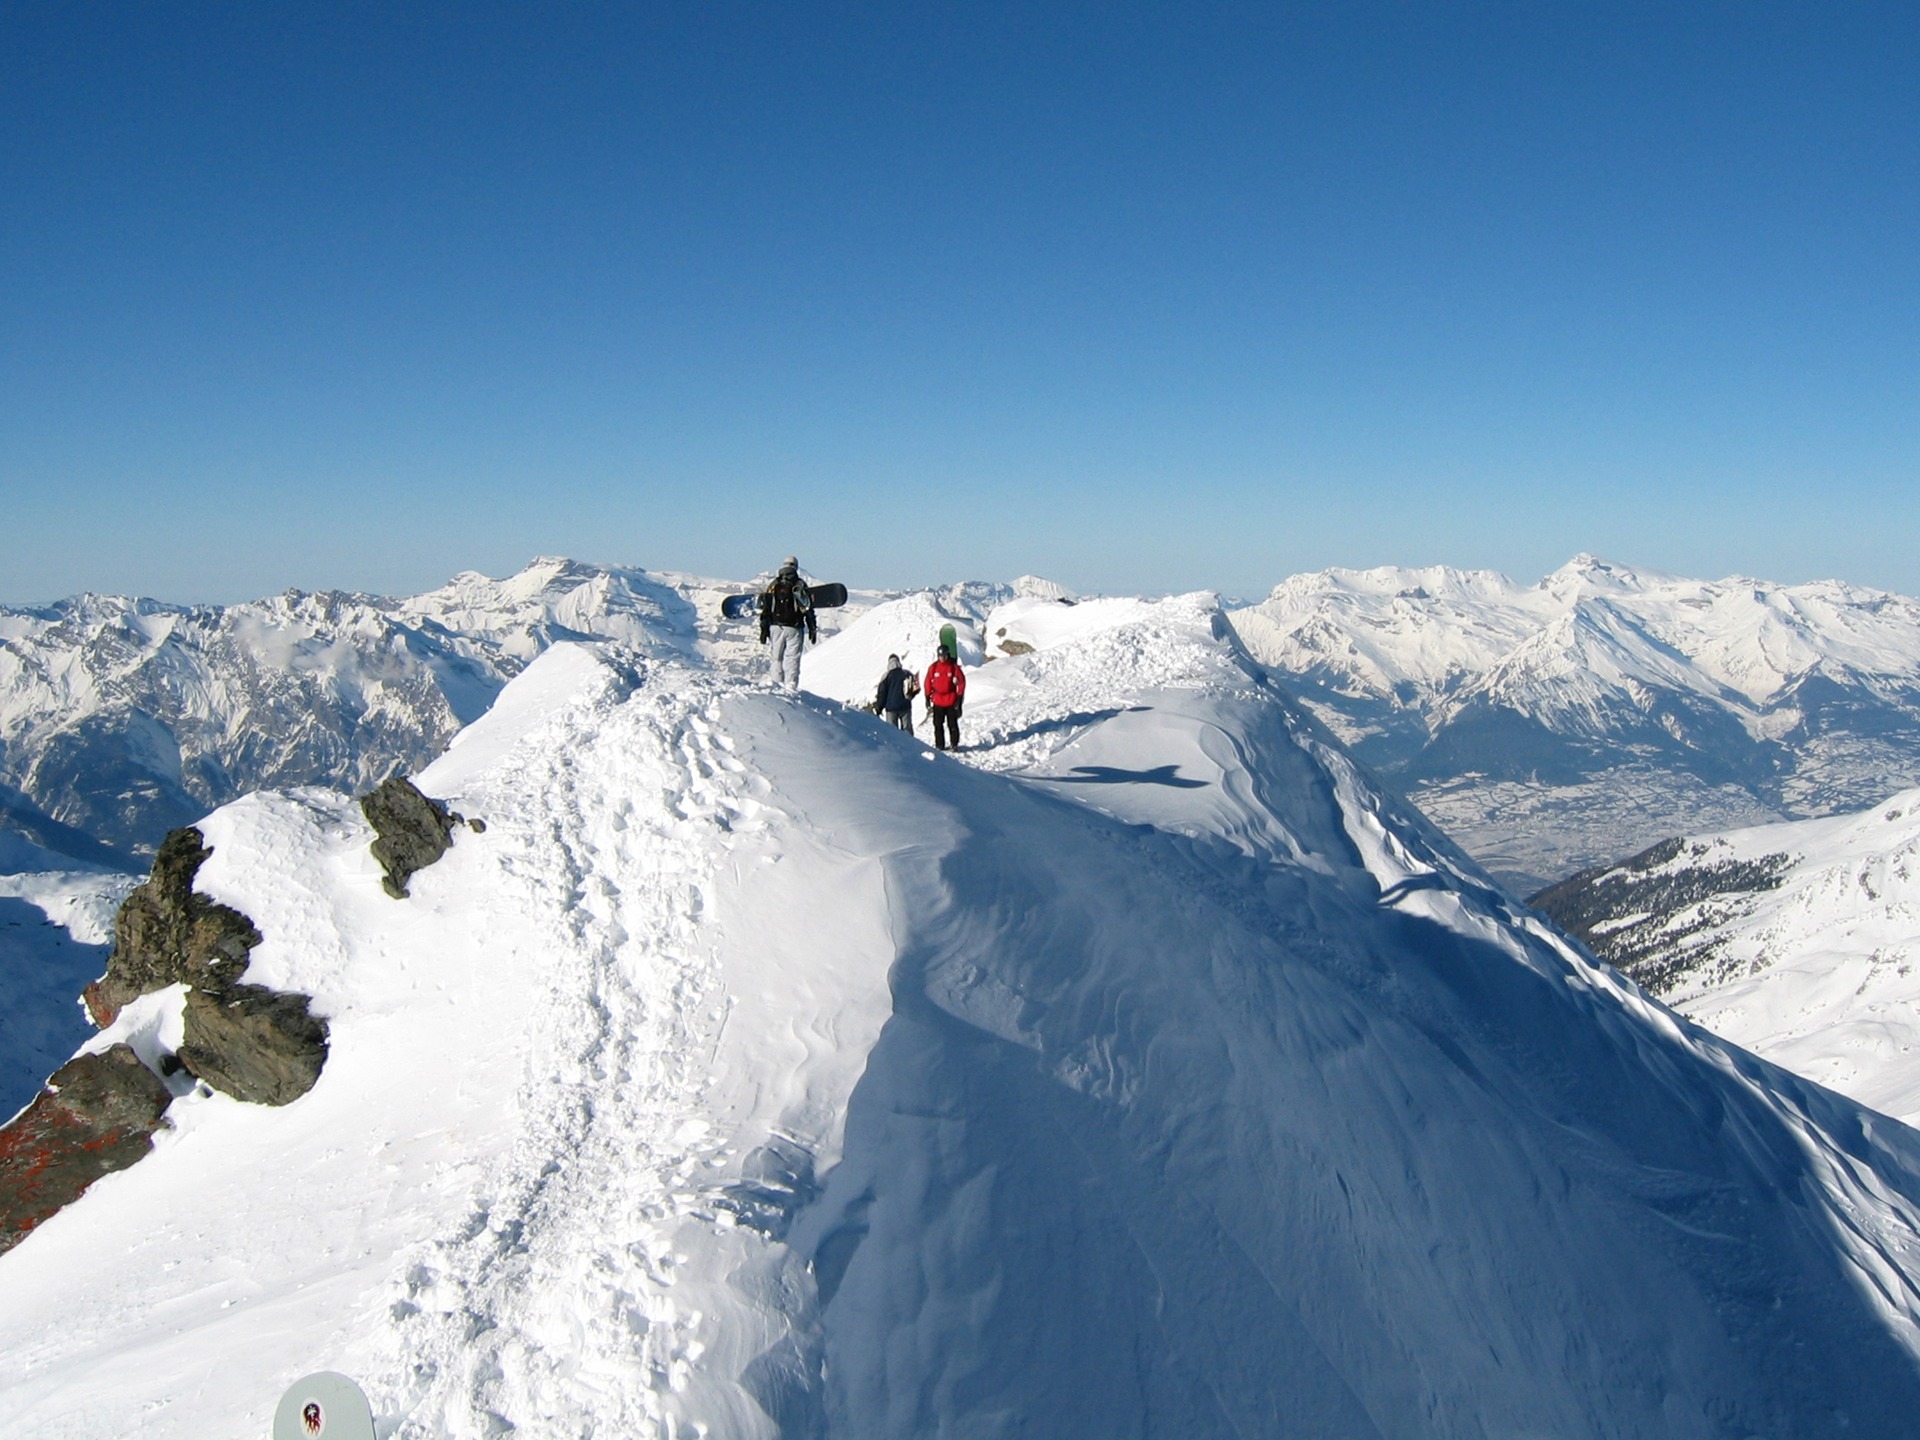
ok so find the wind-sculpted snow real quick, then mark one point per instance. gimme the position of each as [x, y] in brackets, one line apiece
[1580, 719]
[758, 1072]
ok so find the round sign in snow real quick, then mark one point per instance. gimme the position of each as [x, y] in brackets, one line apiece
[325, 1406]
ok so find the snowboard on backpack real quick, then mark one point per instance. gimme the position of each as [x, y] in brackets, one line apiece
[951, 640]
[824, 597]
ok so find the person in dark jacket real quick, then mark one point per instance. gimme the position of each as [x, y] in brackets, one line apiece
[785, 609]
[893, 697]
[945, 686]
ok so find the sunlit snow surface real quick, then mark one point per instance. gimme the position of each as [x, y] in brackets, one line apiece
[1820, 969]
[758, 1072]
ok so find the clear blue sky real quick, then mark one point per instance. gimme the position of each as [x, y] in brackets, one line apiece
[1138, 297]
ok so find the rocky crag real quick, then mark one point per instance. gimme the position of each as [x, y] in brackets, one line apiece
[99, 1112]
[96, 1115]
[411, 830]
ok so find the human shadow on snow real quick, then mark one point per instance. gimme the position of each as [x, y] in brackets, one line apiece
[1113, 775]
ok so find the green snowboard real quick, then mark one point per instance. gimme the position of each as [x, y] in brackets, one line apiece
[950, 640]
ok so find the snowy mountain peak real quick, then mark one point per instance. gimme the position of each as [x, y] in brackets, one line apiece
[1035, 588]
[1640, 702]
[123, 717]
[1587, 574]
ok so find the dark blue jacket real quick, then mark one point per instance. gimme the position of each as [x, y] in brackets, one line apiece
[891, 695]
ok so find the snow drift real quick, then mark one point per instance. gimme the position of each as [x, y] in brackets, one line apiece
[759, 1073]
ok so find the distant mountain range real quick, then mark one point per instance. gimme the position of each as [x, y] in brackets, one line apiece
[121, 718]
[1545, 727]
[1551, 726]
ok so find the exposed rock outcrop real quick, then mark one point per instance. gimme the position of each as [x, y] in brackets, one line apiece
[253, 1043]
[246, 1041]
[96, 1115]
[167, 934]
[99, 1111]
[412, 830]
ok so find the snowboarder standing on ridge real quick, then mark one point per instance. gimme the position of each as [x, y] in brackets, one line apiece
[945, 687]
[785, 607]
[893, 696]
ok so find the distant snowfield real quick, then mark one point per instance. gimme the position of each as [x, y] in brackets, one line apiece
[759, 1072]
[1821, 971]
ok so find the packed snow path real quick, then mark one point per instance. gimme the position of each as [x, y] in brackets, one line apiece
[759, 1072]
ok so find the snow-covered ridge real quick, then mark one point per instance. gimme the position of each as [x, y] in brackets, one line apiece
[1799, 941]
[1546, 727]
[1626, 704]
[757, 1072]
[122, 718]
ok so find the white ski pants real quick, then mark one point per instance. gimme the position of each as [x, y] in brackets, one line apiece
[784, 644]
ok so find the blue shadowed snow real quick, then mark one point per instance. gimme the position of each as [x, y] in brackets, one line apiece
[42, 972]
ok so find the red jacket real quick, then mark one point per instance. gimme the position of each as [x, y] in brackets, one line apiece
[944, 685]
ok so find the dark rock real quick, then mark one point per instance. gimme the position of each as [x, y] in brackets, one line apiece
[247, 1041]
[96, 1115]
[411, 831]
[255, 1044]
[167, 933]
[98, 1112]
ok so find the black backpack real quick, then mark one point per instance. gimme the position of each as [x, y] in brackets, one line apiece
[787, 601]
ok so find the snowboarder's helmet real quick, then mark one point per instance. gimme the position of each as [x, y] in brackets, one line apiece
[946, 653]
[893, 662]
[790, 563]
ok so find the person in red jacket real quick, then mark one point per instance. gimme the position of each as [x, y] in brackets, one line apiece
[945, 686]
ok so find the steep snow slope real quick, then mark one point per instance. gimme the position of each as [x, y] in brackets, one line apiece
[1798, 941]
[1579, 719]
[758, 1072]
